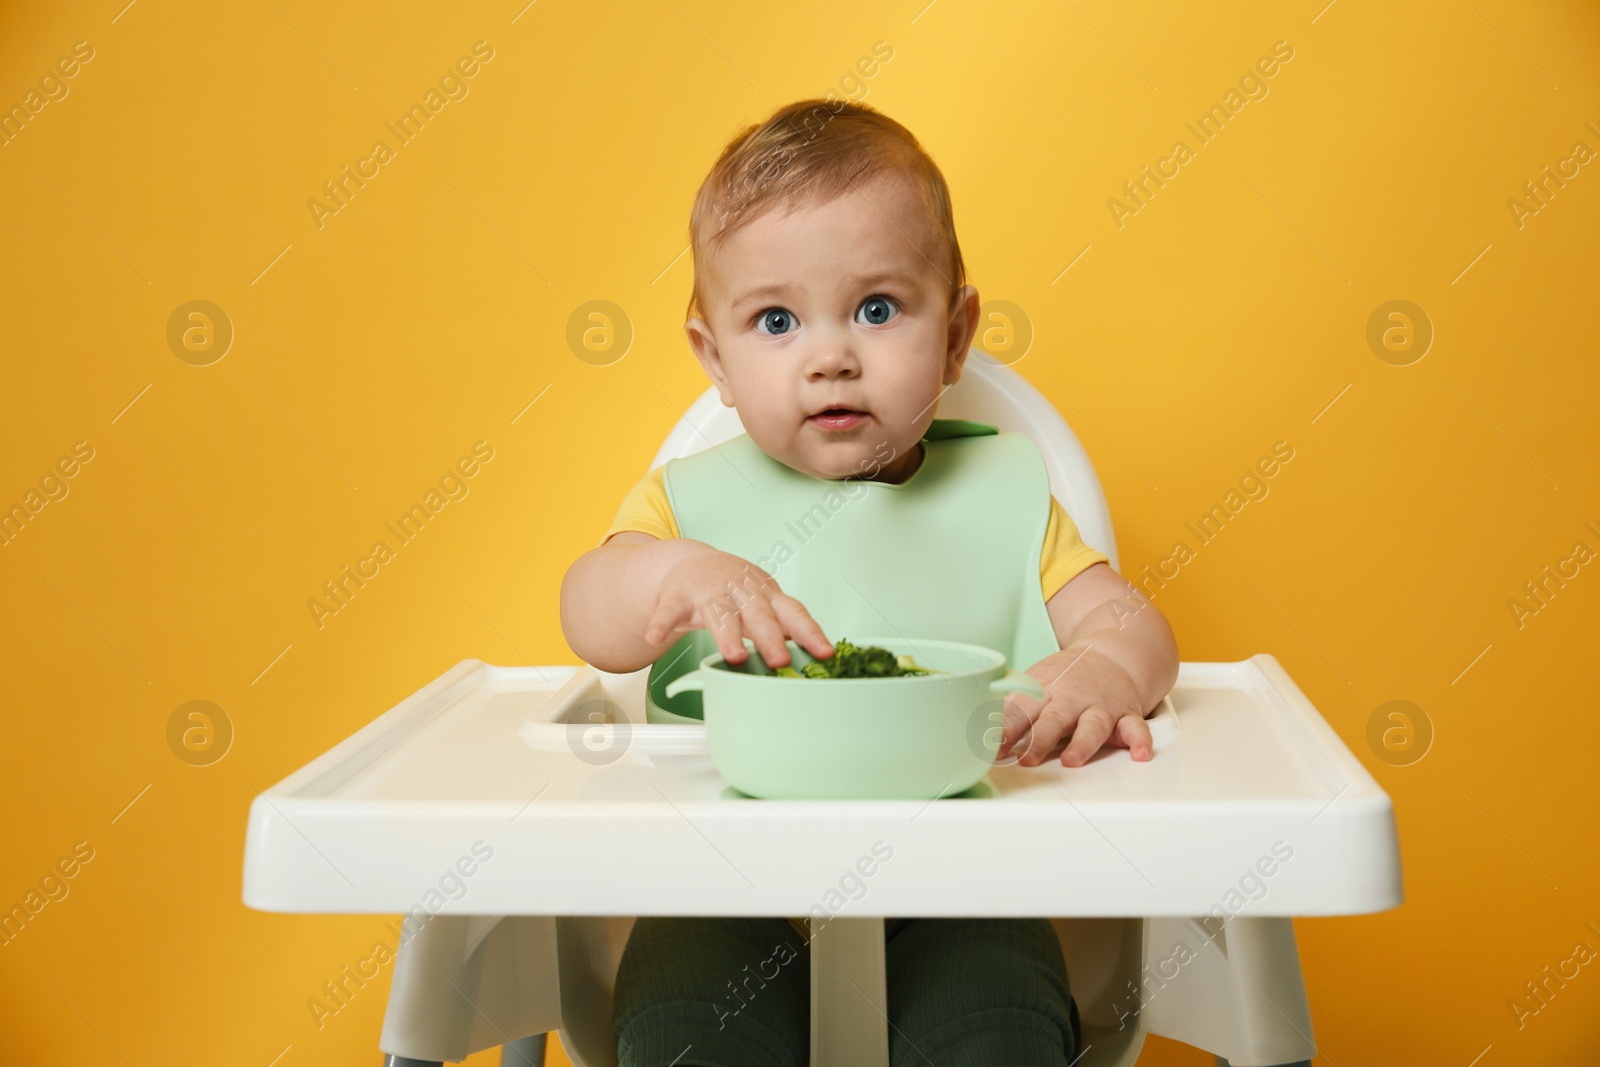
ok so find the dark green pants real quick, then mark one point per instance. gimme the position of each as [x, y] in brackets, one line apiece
[736, 993]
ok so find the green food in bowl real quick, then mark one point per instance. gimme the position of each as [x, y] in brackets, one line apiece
[857, 661]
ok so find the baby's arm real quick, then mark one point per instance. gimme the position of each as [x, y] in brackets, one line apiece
[626, 602]
[1118, 659]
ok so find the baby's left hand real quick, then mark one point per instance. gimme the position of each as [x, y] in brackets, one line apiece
[1089, 698]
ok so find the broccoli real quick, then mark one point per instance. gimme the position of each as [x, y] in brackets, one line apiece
[853, 661]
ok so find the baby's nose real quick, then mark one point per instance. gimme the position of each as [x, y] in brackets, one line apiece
[832, 360]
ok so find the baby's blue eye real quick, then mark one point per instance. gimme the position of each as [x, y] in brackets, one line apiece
[774, 321]
[878, 310]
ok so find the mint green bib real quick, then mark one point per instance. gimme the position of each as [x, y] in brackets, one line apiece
[952, 553]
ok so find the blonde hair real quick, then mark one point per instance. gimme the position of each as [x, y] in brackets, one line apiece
[810, 152]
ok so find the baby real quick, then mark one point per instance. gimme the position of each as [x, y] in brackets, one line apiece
[830, 308]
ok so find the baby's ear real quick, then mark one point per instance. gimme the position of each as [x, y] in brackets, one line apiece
[963, 326]
[704, 344]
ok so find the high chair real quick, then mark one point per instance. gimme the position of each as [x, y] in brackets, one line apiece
[517, 818]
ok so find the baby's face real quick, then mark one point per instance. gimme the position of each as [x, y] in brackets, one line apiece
[831, 331]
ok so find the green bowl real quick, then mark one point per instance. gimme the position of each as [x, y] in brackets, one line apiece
[912, 737]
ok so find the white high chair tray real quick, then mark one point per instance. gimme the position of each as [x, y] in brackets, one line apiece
[1251, 804]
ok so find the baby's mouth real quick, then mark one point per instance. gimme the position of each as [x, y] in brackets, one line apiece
[838, 418]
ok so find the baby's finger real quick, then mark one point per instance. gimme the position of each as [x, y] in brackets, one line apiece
[1054, 722]
[761, 623]
[799, 624]
[1134, 732]
[663, 624]
[725, 628]
[1017, 717]
[1094, 726]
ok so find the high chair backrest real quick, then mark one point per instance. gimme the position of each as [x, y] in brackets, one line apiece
[987, 392]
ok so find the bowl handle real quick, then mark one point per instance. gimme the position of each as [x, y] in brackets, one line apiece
[692, 680]
[1016, 681]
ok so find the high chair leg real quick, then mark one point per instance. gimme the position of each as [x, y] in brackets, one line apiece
[1230, 987]
[524, 1052]
[849, 1004]
[463, 983]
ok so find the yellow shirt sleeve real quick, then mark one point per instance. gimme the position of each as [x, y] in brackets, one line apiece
[1065, 556]
[647, 510]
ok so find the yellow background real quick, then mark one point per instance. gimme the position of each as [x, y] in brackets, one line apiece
[1226, 315]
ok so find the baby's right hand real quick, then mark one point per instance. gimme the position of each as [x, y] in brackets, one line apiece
[732, 598]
